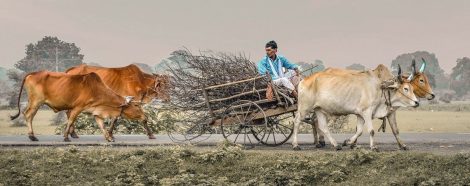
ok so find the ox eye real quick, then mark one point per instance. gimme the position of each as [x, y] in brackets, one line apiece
[406, 89]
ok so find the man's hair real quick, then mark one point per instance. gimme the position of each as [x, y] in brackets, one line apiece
[271, 44]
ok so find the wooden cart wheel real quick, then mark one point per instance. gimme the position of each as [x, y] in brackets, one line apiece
[188, 129]
[239, 121]
[279, 129]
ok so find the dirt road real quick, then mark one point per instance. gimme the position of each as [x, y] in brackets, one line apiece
[440, 143]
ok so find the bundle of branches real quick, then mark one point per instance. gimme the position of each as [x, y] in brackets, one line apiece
[192, 73]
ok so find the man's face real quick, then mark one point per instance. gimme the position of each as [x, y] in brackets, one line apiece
[270, 52]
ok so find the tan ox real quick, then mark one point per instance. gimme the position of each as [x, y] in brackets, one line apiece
[128, 81]
[421, 88]
[76, 93]
[363, 94]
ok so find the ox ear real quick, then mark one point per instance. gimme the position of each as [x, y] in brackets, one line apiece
[389, 84]
[393, 85]
[399, 74]
[423, 66]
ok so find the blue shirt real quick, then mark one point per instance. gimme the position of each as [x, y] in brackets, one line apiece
[264, 66]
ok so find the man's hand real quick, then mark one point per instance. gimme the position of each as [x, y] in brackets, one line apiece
[297, 72]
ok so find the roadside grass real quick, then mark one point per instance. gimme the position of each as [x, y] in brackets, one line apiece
[225, 165]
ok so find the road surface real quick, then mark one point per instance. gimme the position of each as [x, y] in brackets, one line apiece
[425, 142]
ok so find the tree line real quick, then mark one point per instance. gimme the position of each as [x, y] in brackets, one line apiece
[52, 54]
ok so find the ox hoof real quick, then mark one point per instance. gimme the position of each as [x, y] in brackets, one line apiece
[152, 137]
[375, 149]
[109, 138]
[345, 143]
[338, 147]
[353, 146]
[297, 148]
[74, 135]
[404, 147]
[110, 135]
[66, 139]
[319, 145]
[33, 138]
[323, 143]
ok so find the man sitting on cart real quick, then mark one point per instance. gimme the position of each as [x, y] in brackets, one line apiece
[274, 64]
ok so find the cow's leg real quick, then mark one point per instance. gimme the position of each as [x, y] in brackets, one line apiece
[300, 114]
[370, 128]
[111, 128]
[149, 131]
[323, 126]
[29, 114]
[72, 116]
[384, 123]
[303, 108]
[314, 122]
[392, 119]
[315, 134]
[359, 128]
[321, 135]
[100, 122]
[72, 132]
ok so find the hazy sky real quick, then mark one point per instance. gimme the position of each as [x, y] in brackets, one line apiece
[116, 33]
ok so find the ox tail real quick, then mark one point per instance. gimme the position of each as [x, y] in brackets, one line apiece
[19, 98]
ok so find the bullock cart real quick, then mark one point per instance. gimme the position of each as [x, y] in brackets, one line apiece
[219, 93]
[246, 116]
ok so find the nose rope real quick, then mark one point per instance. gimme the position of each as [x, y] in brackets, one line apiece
[405, 95]
[122, 110]
[388, 101]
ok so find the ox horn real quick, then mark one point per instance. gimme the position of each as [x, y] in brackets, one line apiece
[410, 77]
[413, 66]
[399, 74]
[423, 66]
[413, 70]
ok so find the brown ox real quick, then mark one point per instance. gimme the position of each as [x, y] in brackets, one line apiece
[421, 88]
[76, 93]
[128, 81]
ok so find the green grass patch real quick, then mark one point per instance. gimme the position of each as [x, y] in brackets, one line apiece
[225, 165]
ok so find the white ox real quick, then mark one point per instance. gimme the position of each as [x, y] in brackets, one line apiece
[369, 94]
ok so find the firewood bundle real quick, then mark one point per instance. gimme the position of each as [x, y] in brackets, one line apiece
[196, 77]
